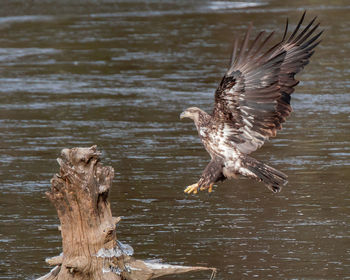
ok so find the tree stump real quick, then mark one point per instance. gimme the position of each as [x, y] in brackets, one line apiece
[90, 246]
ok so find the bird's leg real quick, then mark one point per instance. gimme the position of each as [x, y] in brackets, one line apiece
[193, 188]
[211, 174]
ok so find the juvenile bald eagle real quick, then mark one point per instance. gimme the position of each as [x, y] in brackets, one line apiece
[251, 103]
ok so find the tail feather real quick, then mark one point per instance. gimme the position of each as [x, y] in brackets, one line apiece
[271, 177]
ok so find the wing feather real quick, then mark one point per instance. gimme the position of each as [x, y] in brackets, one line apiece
[253, 98]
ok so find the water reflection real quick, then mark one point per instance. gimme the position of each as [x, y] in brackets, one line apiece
[118, 75]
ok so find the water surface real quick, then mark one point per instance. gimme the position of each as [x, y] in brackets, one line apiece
[118, 74]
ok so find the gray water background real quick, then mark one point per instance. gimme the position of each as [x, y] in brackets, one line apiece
[118, 74]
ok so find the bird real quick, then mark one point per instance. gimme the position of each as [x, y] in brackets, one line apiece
[251, 103]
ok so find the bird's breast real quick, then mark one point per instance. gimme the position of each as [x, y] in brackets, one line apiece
[217, 145]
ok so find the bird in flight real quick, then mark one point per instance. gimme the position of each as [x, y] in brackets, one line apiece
[251, 103]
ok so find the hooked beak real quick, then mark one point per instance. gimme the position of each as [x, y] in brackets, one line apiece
[183, 115]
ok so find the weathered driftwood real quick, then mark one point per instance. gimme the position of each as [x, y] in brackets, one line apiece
[90, 246]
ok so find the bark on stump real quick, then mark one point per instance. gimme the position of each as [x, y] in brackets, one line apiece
[90, 246]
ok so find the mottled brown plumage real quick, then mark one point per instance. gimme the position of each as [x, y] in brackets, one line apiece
[251, 103]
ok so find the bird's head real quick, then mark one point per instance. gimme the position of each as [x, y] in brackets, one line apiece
[191, 113]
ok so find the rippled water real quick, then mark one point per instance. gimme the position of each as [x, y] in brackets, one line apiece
[118, 74]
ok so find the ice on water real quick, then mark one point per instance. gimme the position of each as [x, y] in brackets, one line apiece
[125, 248]
[119, 250]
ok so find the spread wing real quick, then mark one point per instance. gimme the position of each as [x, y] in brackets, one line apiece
[253, 97]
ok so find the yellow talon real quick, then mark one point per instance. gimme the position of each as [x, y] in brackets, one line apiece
[193, 188]
[210, 188]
